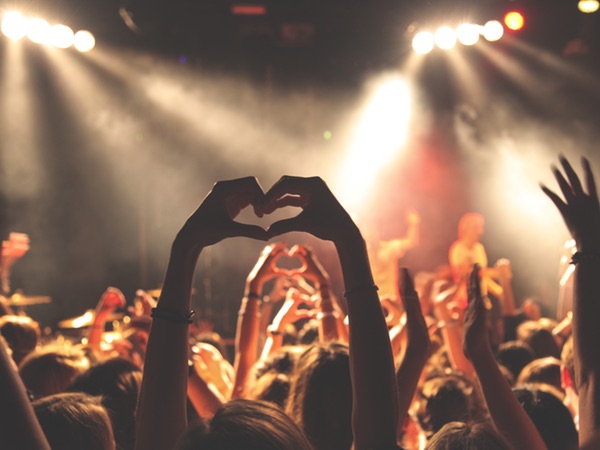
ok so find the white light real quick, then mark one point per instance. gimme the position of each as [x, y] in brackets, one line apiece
[588, 6]
[467, 34]
[38, 30]
[493, 31]
[423, 42]
[61, 36]
[445, 38]
[84, 41]
[14, 25]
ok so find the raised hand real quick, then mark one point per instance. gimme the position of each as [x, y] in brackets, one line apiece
[322, 215]
[311, 267]
[290, 311]
[416, 326]
[111, 299]
[266, 267]
[213, 220]
[476, 338]
[579, 210]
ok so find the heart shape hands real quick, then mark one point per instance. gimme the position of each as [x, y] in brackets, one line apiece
[321, 215]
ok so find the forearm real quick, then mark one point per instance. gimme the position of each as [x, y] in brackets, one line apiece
[371, 362]
[204, 397]
[161, 414]
[246, 342]
[328, 329]
[509, 417]
[20, 427]
[407, 377]
[452, 334]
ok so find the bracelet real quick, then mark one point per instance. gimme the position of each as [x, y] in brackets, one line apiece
[583, 256]
[358, 290]
[250, 295]
[170, 316]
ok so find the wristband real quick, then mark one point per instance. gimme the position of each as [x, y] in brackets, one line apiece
[359, 289]
[171, 316]
[584, 256]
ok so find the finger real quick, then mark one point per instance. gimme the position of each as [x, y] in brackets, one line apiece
[283, 202]
[571, 175]
[304, 314]
[249, 231]
[589, 179]
[286, 226]
[558, 202]
[565, 188]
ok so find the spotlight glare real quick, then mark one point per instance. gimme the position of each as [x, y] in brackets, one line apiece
[514, 20]
[14, 25]
[62, 36]
[445, 38]
[39, 31]
[493, 31]
[588, 6]
[84, 41]
[423, 42]
[467, 33]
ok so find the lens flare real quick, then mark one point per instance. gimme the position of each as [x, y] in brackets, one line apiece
[468, 33]
[62, 36]
[445, 38]
[588, 6]
[423, 42]
[39, 31]
[493, 31]
[514, 20]
[84, 41]
[14, 25]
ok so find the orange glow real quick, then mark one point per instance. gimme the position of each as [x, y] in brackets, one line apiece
[249, 10]
[514, 20]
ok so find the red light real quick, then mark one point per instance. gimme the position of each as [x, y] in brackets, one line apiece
[514, 20]
[248, 10]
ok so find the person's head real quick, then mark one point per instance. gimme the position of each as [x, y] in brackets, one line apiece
[309, 333]
[445, 396]
[514, 355]
[320, 400]
[470, 227]
[21, 333]
[118, 382]
[51, 370]
[74, 421]
[538, 338]
[281, 361]
[271, 387]
[246, 424]
[551, 418]
[460, 436]
[543, 370]
[531, 308]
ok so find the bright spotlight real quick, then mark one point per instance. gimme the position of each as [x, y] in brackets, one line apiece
[423, 42]
[38, 30]
[468, 33]
[493, 31]
[514, 20]
[445, 38]
[588, 6]
[14, 25]
[61, 36]
[84, 41]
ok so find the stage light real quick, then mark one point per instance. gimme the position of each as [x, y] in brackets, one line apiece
[423, 42]
[514, 20]
[14, 25]
[493, 31]
[61, 36]
[84, 41]
[588, 6]
[445, 38]
[38, 30]
[468, 33]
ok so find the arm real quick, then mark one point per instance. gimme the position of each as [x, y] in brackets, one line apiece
[371, 365]
[20, 427]
[249, 318]
[205, 398]
[161, 414]
[509, 417]
[417, 347]
[581, 213]
[508, 297]
[110, 300]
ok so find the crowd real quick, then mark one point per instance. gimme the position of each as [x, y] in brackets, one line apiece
[448, 363]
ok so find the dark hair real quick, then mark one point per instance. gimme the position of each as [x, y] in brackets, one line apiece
[460, 436]
[514, 355]
[271, 387]
[538, 338]
[543, 370]
[281, 361]
[320, 400]
[21, 333]
[551, 418]
[246, 424]
[118, 381]
[74, 421]
[445, 396]
[309, 333]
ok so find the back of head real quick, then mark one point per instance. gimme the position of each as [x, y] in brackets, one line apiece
[514, 355]
[51, 370]
[21, 333]
[248, 425]
[543, 370]
[552, 419]
[117, 381]
[460, 436]
[74, 421]
[538, 338]
[320, 400]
